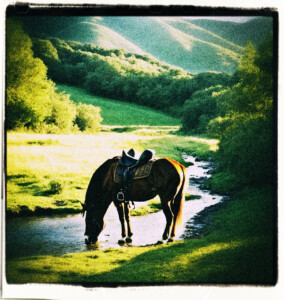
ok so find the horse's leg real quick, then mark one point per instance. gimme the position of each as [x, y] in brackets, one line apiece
[173, 231]
[177, 207]
[169, 218]
[127, 218]
[120, 210]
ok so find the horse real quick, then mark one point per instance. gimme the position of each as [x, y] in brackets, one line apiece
[167, 179]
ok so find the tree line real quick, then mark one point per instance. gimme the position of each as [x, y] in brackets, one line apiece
[124, 76]
[244, 120]
[32, 100]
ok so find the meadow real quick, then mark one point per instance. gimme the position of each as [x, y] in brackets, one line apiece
[120, 113]
[49, 174]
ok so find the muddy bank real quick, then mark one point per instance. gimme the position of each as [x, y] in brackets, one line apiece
[201, 222]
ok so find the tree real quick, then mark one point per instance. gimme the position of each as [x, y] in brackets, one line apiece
[27, 84]
[246, 128]
[88, 118]
[32, 99]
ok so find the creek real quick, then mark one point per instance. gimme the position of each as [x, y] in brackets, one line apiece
[57, 235]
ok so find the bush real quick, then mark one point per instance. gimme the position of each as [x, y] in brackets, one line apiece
[55, 187]
[88, 118]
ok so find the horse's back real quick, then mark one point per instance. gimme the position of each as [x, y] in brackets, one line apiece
[170, 165]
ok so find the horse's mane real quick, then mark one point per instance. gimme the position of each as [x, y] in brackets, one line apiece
[95, 188]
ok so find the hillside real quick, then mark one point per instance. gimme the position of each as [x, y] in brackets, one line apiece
[238, 33]
[193, 49]
[194, 45]
[88, 32]
[120, 113]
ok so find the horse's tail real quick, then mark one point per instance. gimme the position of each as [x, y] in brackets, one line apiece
[180, 198]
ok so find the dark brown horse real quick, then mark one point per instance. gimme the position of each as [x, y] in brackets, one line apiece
[167, 179]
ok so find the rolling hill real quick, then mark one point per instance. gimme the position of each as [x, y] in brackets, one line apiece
[239, 33]
[194, 45]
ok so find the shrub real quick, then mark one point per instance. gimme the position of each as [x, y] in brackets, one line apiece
[88, 118]
[55, 187]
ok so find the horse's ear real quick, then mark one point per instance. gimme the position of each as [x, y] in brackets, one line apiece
[84, 206]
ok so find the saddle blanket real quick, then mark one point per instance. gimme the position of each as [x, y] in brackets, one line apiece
[141, 172]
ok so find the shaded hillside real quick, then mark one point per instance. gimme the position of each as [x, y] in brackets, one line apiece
[239, 33]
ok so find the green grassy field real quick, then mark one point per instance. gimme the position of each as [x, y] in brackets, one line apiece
[237, 249]
[50, 173]
[120, 113]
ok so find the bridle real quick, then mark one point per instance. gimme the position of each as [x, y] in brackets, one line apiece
[93, 219]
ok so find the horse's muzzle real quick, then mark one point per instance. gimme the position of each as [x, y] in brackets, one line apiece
[91, 240]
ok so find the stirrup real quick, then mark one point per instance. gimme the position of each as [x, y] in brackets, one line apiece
[120, 196]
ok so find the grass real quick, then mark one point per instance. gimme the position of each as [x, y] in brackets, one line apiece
[151, 206]
[237, 249]
[117, 112]
[50, 173]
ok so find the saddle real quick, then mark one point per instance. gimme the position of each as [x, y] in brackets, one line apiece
[130, 166]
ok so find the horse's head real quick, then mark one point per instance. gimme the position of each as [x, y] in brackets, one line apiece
[94, 222]
[96, 201]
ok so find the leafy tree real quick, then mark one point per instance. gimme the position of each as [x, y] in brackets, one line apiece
[88, 118]
[32, 100]
[200, 109]
[246, 128]
[63, 113]
[27, 84]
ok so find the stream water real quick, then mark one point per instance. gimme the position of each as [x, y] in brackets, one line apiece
[57, 235]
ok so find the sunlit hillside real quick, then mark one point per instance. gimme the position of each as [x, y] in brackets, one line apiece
[193, 49]
[201, 34]
[89, 32]
[194, 45]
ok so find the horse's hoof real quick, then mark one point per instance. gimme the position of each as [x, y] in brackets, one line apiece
[121, 242]
[170, 240]
[128, 240]
[160, 242]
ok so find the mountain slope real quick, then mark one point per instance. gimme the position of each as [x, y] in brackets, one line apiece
[182, 48]
[201, 33]
[194, 45]
[87, 32]
[239, 33]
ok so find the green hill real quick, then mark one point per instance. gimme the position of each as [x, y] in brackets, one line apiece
[254, 30]
[194, 45]
[88, 32]
[192, 48]
[120, 113]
